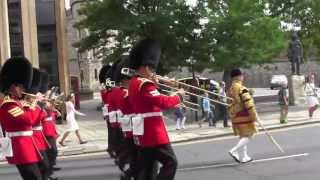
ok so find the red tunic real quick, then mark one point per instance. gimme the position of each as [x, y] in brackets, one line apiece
[14, 119]
[49, 124]
[38, 135]
[126, 110]
[104, 95]
[114, 102]
[145, 98]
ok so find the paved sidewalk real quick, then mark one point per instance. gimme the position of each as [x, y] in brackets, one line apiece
[93, 127]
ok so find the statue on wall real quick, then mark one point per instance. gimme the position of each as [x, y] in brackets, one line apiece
[295, 54]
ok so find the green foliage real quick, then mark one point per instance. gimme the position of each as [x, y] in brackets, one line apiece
[244, 35]
[307, 14]
[238, 32]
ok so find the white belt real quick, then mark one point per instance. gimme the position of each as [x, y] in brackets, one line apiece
[128, 115]
[19, 133]
[150, 114]
[48, 119]
[37, 128]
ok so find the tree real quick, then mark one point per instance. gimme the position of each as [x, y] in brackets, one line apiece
[126, 21]
[304, 14]
[234, 33]
[243, 35]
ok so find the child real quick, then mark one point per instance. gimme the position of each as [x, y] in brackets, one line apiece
[283, 102]
[180, 116]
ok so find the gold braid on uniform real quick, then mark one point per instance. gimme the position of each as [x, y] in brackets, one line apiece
[248, 103]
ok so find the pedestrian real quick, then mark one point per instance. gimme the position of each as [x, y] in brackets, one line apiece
[180, 116]
[223, 108]
[149, 129]
[243, 114]
[283, 95]
[312, 98]
[16, 121]
[72, 125]
[208, 111]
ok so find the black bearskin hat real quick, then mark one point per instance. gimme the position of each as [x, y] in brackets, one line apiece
[146, 52]
[16, 70]
[36, 82]
[111, 73]
[235, 72]
[103, 73]
[118, 76]
[44, 82]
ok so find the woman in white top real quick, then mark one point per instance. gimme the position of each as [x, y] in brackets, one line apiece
[72, 124]
[312, 99]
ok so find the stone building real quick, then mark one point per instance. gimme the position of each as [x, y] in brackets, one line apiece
[83, 65]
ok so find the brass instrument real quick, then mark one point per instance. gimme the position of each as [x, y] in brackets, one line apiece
[190, 86]
[173, 83]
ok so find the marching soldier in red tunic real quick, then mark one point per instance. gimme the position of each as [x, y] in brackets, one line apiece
[113, 101]
[16, 121]
[39, 114]
[106, 89]
[49, 123]
[149, 128]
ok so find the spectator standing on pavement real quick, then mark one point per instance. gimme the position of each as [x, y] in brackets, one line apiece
[312, 99]
[180, 117]
[222, 93]
[283, 102]
[72, 124]
[208, 113]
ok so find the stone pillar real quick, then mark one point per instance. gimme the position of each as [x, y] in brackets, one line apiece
[64, 78]
[296, 90]
[29, 29]
[4, 32]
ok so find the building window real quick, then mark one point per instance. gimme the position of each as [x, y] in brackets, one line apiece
[45, 47]
[95, 74]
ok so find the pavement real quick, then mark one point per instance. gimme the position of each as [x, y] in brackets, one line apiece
[93, 127]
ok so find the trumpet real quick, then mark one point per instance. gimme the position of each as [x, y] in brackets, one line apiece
[44, 98]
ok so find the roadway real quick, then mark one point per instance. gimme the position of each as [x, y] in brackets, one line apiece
[208, 159]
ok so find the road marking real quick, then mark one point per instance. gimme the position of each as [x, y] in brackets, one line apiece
[237, 164]
[260, 133]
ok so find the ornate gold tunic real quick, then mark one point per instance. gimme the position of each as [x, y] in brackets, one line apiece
[242, 110]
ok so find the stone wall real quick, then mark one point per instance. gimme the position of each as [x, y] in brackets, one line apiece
[89, 66]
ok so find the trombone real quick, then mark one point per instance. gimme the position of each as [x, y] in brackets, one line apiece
[131, 72]
[190, 86]
[193, 94]
[185, 102]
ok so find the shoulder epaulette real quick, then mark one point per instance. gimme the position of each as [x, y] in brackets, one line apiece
[7, 99]
[144, 81]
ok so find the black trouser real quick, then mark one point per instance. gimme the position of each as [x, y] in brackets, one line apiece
[116, 139]
[44, 166]
[52, 152]
[149, 157]
[29, 171]
[224, 115]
